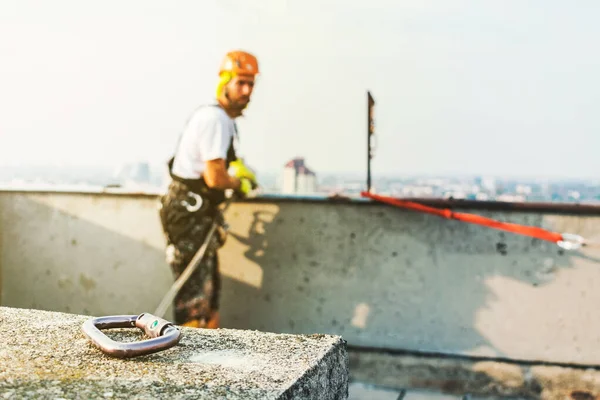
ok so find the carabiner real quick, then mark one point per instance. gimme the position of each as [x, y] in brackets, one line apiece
[163, 334]
[196, 206]
[570, 241]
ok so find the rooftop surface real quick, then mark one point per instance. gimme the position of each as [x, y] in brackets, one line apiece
[48, 356]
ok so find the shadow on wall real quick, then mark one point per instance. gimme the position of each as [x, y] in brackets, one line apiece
[2, 224]
[80, 255]
[387, 278]
[378, 276]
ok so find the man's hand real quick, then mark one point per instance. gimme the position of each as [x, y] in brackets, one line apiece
[246, 186]
[216, 176]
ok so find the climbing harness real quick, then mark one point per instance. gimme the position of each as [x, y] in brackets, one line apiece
[163, 334]
[567, 241]
[193, 264]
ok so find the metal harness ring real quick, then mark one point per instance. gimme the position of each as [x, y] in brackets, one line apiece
[163, 334]
[196, 206]
[571, 241]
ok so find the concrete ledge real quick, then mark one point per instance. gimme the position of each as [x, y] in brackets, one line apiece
[490, 379]
[486, 205]
[46, 355]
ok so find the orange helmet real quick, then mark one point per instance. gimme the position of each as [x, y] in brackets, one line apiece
[239, 63]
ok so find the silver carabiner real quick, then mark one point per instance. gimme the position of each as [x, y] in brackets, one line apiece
[196, 206]
[163, 334]
[570, 241]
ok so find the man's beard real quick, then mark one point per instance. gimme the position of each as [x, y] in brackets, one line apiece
[236, 105]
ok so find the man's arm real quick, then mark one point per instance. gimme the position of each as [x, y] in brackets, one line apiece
[214, 140]
[216, 176]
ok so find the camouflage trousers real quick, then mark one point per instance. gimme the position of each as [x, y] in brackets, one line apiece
[185, 231]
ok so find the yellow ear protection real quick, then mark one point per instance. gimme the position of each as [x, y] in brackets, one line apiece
[223, 80]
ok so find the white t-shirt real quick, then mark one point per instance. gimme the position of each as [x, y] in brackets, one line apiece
[206, 137]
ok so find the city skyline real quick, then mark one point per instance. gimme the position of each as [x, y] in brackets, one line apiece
[354, 174]
[295, 178]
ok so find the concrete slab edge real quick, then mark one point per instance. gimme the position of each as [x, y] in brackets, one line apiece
[328, 378]
[489, 379]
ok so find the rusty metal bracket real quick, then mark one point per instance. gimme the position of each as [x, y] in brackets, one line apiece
[163, 334]
[370, 136]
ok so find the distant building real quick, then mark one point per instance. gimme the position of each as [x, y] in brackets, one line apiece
[298, 178]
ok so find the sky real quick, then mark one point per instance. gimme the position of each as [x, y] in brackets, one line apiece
[505, 88]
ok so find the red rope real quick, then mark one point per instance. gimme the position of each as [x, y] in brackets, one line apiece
[532, 231]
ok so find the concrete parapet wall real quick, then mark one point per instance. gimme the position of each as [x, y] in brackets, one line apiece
[378, 276]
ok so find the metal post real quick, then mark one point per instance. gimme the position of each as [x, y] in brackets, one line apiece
[370, 132]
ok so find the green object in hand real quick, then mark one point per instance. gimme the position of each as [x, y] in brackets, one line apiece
[243, 172]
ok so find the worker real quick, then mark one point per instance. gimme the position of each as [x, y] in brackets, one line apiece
[204, 166]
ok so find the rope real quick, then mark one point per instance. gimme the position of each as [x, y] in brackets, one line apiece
[189, 269]
[567, 241]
